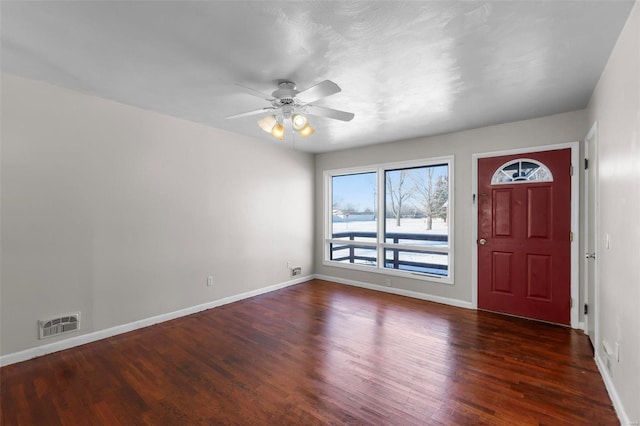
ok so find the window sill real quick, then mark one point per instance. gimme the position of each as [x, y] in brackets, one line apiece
[393, 272]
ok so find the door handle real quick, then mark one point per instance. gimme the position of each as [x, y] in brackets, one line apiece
[482, 241]
[590, 256]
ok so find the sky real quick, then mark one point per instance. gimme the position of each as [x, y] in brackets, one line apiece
[359, 190]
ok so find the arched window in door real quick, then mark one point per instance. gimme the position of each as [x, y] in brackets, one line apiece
[522, 170]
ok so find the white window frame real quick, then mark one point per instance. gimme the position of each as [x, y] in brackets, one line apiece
[380, 245]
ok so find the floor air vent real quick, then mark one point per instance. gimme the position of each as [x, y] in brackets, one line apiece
[55, 326]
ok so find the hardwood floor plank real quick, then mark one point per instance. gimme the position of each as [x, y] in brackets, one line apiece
[318, 353]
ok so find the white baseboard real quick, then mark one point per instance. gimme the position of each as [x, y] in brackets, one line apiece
[399, 291]
[125, 328]
[617, 404]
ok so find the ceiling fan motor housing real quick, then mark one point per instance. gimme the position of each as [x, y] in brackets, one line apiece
[285, 98]
[286, 91]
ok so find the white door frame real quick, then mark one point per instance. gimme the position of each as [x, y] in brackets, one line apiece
[575, 220]
[591, 299]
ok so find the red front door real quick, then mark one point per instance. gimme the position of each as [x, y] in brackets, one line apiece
[524, 237]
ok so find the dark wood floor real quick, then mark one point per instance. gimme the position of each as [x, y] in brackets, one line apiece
[318, 353]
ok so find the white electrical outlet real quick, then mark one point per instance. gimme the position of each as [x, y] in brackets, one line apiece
[388, 282]
[209, 281]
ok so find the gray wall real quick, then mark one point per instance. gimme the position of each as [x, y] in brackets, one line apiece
[122, 214]
[615, 105]
[561, 128]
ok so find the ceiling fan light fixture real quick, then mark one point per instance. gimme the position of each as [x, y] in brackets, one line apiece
[299, 122]
[267, 123]
[278, 131]
[306, 131]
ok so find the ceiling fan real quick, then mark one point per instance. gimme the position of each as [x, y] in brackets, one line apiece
[290, 107]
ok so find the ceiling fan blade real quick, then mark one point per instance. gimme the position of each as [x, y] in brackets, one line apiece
[254, 92]
[254, 112]
[319, 91]
[329, 113]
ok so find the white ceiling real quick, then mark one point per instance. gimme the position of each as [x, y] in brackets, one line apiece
[406, 69]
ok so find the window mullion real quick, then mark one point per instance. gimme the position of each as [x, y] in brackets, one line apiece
[380, 218]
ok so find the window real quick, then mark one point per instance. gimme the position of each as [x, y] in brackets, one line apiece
[353, 229]
[522, 170]
[391, 218]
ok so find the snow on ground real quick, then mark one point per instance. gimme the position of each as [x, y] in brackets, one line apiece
[407, 225]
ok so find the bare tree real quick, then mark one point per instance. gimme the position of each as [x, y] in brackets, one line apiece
[396, 193]
[431, 190]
